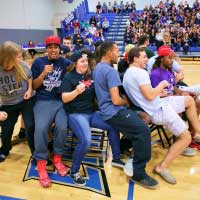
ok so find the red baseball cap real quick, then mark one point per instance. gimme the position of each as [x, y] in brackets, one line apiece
[52, 39]
[165, 51]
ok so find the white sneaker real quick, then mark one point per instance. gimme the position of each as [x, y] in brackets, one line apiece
[128, 167]
[189, 152]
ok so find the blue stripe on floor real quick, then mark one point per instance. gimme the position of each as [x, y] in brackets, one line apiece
[8, 198]
[130, 190]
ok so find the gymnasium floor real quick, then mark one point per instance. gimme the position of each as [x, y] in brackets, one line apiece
[17, 178]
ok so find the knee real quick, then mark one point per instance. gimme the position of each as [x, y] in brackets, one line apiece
[62, 128]
[186, 136]
[85, 142]
[146, 130]
[189, 101]
[41, 127]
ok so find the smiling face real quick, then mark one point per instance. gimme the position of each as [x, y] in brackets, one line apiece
[142, 60]
[82, 65]
[53, 51]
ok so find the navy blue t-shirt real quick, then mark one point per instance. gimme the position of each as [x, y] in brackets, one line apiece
[83, 103]
[52, 81]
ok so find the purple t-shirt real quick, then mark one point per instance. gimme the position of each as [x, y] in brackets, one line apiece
[159, 74]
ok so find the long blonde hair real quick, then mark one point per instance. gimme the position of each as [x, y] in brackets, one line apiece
[8, 57]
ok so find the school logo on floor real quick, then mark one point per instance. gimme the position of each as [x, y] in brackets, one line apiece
[92, 170]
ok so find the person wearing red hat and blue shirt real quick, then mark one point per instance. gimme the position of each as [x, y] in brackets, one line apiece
[48, 72]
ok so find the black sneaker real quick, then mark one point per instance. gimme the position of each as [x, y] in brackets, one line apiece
[78, 179]
[147, 182]
[118, 163]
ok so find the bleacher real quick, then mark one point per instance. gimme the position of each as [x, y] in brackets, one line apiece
[117, 30]
[110, 16]
[193, 54]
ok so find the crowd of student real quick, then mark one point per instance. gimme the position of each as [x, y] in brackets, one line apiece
[115, 7]
[181, 22]
[64, 93]
[71, 87]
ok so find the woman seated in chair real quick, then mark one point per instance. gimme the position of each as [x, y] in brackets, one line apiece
[78, 95]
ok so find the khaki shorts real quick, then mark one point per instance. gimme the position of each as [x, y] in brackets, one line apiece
[167, 114]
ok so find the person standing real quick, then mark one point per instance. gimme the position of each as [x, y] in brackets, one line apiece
[15, 95]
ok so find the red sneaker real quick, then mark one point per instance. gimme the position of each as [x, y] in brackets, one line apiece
[194, 145]
[42, 172]
[60, 167]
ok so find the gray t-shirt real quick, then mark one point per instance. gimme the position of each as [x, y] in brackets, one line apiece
[105, 78]
[12, 92]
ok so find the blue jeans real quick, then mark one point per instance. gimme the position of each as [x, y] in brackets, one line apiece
[45, 113]
[128, 122]
[80, 125]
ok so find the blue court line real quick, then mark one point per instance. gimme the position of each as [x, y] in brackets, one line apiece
[8, 198]
[130, 190]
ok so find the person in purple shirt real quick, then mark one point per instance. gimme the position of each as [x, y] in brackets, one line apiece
[162, 70]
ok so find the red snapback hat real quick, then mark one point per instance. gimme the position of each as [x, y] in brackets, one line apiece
[165, 51]
[52, 39]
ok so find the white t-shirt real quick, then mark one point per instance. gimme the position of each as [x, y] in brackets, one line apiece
[135, 77]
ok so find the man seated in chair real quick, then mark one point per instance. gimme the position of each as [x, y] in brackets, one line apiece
[162, 70]
[48, 72]
[163, 111]
[114, 111]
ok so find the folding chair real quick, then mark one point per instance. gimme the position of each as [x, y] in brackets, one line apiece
[161, 132]
[99, 141]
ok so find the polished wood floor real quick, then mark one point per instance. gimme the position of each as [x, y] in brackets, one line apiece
[185, 169]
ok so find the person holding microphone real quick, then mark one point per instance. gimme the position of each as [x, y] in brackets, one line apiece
[48, 72]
